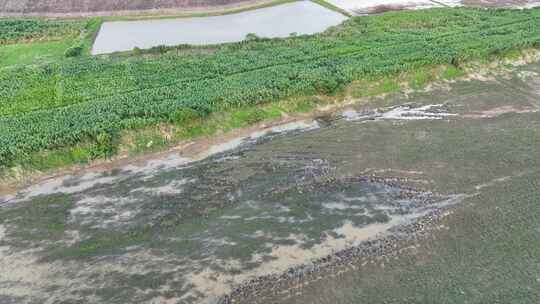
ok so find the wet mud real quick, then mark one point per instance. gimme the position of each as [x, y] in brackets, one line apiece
[259, 218]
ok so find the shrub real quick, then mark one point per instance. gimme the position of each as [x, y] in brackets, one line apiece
[160, 49]
[74, 51]
[252, 37]
[104, 146]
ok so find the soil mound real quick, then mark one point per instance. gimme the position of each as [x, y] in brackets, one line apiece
[108, 7]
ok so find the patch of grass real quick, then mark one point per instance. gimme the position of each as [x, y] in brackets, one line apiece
[244, 117]
[387, 85]
[369, 88]
[513, 54]
[32, 53]
[203, 128]
[452, 72]
[91, 30]
[306, 105]
[21, 30]
[149, 140]
[52, 47]
[102, 147]
[421, 78]
[47, 160]
[273, 111]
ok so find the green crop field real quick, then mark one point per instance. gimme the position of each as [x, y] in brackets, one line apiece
[26, 41]
[33, 29]
[86, 99]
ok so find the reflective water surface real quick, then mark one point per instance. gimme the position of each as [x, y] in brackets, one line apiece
[303, 17]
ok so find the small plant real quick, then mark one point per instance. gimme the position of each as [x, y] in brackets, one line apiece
[421, 78]
[184, 117]
[104, 146]
[160, 49]
[246, 117]
[452, 72]
[183, 46]
[306, 105]
[74, 51]
[252, 37]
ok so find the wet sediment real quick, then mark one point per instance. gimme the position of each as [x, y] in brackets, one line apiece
[206, 228]
[395, 241]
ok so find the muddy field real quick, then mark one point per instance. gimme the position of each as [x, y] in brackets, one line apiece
[416, 197]
[119, 7]
[380, 6]
[111, 7]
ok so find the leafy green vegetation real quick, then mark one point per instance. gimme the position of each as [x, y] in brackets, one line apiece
[40, 41]
[73, 51]
[370, 88]
[421, 78]
[29, 53]
[14, 30]
[452, 72]
[61, 104]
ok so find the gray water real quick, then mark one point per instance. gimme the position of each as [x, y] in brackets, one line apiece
[302, 17]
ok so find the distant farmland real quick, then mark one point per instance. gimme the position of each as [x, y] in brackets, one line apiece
[46, 7]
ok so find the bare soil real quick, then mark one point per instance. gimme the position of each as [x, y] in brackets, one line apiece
[73, 8]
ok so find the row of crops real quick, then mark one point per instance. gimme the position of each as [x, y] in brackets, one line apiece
[14, 30]
[61, 104]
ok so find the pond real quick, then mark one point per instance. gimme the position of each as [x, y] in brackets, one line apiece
[303, 17]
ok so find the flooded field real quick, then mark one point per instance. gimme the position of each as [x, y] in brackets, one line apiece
[275, 216]
[303, 17]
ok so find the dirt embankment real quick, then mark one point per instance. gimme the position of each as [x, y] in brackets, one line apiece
[502, 3]
[67, 8]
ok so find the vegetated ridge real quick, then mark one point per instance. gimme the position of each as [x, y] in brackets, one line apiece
[91, 99]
